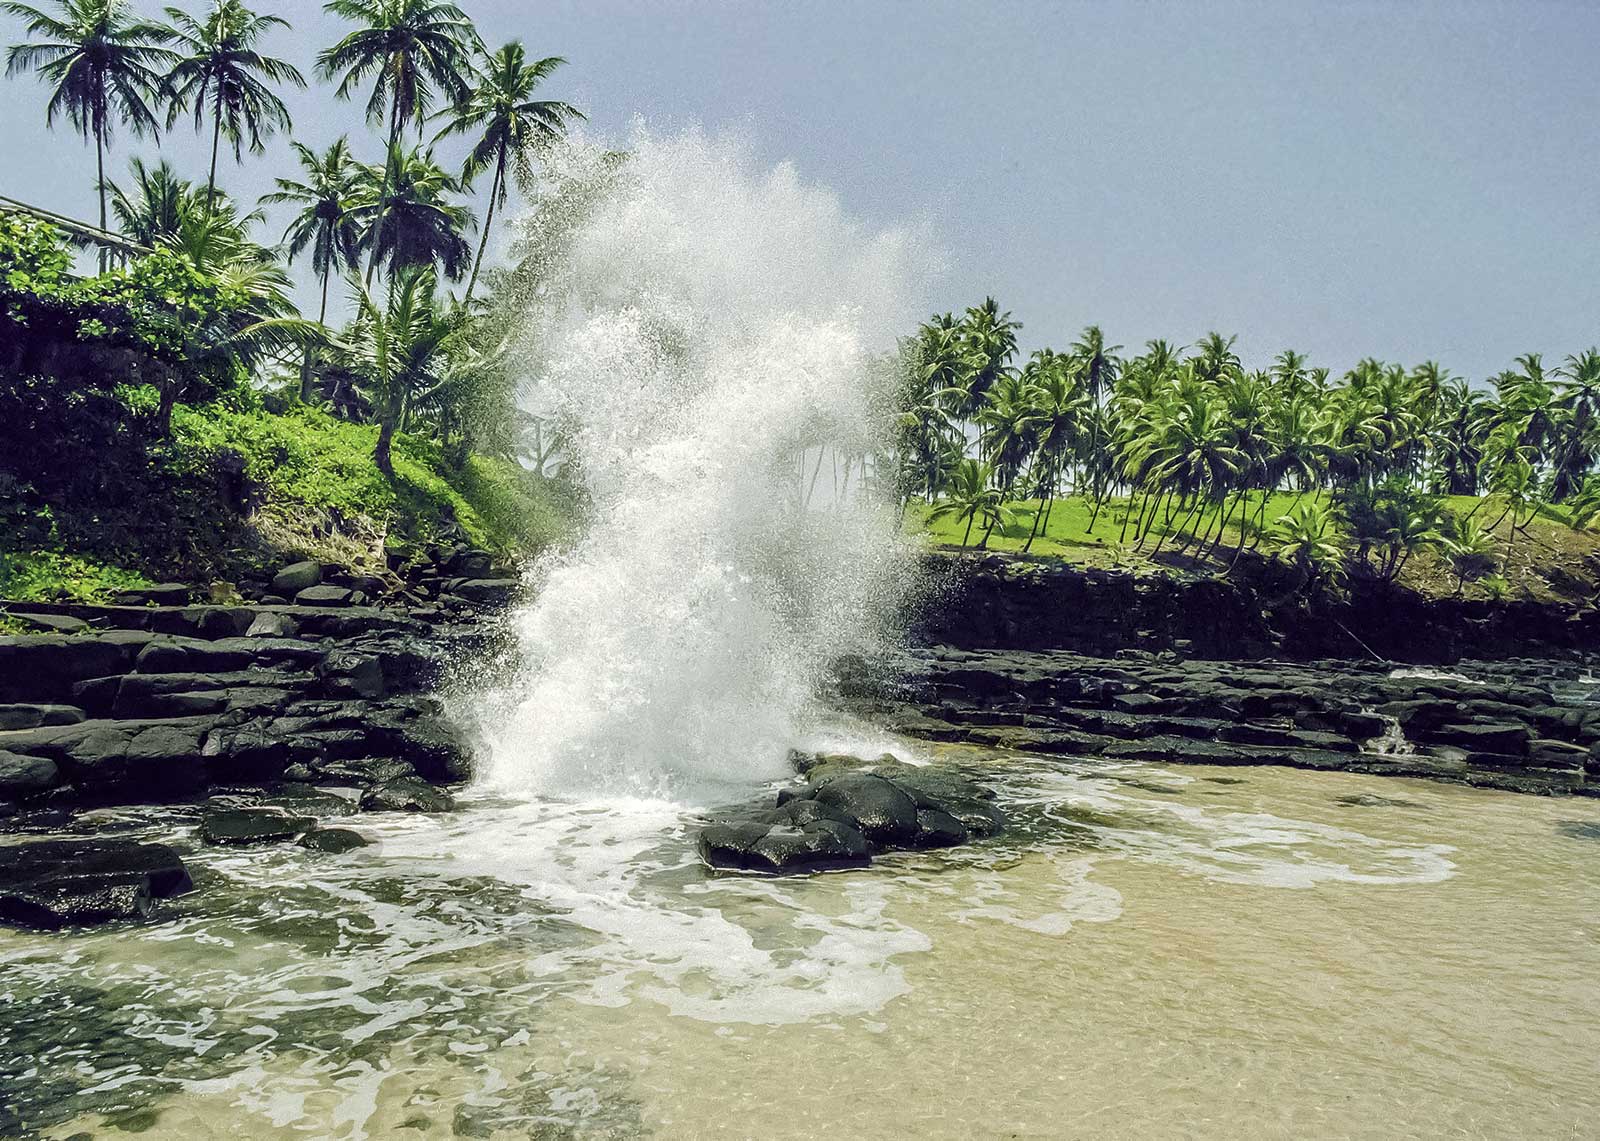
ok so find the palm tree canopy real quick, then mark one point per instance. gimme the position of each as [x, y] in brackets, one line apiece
[411, 50]
[510, 123]
[158, 208]
[327, 220]
[420, 225]
[221, 72]
[102, 62]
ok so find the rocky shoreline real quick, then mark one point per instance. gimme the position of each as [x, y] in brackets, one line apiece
[290, 703]
[1522, 726]
[285, 704]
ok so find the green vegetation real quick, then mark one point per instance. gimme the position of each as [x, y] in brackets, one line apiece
[173, 415]
[1188, 458]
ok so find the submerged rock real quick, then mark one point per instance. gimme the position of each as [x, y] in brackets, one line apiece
[63, 883]
[333, 840]
[250, 826]
[407, 794]
[850, 810]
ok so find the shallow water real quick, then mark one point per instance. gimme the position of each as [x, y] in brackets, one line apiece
[1147, 952]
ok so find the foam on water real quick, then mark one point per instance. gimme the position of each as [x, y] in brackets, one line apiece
[705, 340]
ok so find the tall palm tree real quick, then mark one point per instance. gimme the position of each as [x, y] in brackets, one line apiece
[413, 51]
[401, 349]
[409, 216]
[1097, 366]
[327, 221]
[220, 71]
[104, 65]
[988, 340]
[512, 127]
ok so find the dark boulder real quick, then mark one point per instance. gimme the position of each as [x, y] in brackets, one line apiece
[885, 814]
[33, 716]
[347, 673]
[23, 776]
[938, 829]
[1503, 738]
[324, 596]
[754, 846]
[334, 840]
[295, 577]
[407, 794]
[270, 625]
[162, 594]
[55, 623]
[486, 591]
[241, 826]
[62, 883]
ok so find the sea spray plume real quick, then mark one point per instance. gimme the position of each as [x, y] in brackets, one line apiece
[704, 336]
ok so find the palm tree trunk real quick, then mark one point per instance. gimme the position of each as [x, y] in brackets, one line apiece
[811, 490]
[968, 534]
[100, 184]
[488, 220]
[389, 418]
[216, 140]
[383, 190]
[1135, 506]
[1044, 513]
[322, 319]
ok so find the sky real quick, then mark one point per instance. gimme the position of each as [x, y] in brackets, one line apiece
[1402, 180]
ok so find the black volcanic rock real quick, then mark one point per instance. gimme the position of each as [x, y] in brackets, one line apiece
[67, 883]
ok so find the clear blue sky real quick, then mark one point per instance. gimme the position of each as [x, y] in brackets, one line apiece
[1405, 180]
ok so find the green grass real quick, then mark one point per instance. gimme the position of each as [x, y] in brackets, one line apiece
[1544, 562]
[1068, 535]
[56, 576]
[306, 460]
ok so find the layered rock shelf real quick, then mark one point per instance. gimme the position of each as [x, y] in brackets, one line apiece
[322, 681]
[1520, 726]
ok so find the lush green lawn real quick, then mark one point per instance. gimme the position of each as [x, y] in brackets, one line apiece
[1533, 564]
[1068, 534]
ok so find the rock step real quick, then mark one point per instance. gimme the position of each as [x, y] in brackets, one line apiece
[214, 622]
[52, 884]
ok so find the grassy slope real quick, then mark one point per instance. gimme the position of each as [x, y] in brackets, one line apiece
[312, 490]
[1551, 549]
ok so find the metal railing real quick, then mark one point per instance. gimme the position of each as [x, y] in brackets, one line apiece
[83, 231]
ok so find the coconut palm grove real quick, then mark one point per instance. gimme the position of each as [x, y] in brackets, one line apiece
[517, 631]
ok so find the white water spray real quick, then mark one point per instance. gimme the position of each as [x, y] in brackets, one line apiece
[706, 338]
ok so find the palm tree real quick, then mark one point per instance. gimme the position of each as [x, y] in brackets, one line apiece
[1469, 548]
[1307, 538]
[327, 221]
[511, 125]
[150, 212]
[1580, 403]
[1097, 365]
[412, 51]
[160, 209]
[970, 495]
[401, 349]
[103, 63]
[220, 71]
[988, 341]
[410, 220]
